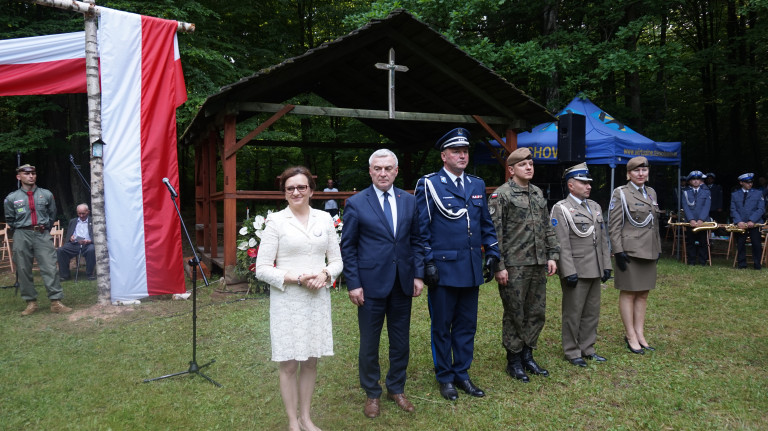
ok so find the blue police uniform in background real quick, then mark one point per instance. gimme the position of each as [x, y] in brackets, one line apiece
[456, 225]
[748, 205]
[696, 203]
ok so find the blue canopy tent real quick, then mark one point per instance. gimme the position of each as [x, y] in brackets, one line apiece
[608, 141]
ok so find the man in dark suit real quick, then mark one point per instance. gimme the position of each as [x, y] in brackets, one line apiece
[456, 224]
[79, 241]
[383, 258]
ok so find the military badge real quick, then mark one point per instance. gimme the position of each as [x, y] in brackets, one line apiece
[554, 222]
[494, 195]
[491, 209]
[443, 180]
[477, 196]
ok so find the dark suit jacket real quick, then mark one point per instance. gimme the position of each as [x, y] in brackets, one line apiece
[371, 254]
[73, 225]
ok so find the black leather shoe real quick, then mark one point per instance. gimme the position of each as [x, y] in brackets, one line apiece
[639, 351]
[530, 365]
[515, 367]
[596, 357]
[578, 362]
[448, 391]
[468, 387]
[649, 348]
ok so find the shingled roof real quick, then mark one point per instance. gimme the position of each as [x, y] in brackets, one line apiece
[441, 79]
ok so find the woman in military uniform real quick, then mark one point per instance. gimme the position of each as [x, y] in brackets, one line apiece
[634, 230]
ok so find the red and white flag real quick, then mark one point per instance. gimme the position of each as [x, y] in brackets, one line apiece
[52, 64]
[141, 87]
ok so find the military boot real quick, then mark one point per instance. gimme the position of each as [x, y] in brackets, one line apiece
[515, 367]
[530, 365]
[31, 308]
[58, 307]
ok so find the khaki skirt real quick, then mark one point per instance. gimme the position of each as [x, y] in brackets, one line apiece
[639, 276]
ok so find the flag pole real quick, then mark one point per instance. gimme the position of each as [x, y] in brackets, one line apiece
[91, 13]
[89, 7]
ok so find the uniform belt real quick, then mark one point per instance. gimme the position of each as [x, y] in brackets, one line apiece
[36, 228]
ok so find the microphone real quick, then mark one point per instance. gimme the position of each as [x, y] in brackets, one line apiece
[170, 188]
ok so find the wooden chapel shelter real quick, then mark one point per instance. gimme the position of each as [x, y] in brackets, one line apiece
[439, 87]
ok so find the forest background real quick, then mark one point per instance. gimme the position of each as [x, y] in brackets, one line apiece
[690, 71]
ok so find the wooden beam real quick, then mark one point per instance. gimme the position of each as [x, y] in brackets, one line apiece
[327, 111]
[263, 126]
[82, 7]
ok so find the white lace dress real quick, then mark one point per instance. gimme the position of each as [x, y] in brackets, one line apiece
[299, 318]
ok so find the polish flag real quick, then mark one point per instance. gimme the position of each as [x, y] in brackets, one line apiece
[52, 64]
[141, 87]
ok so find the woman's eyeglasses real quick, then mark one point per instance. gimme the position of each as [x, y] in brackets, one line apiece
[291, 189]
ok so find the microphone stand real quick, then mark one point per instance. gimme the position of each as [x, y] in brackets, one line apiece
[80, 174]
[195, 264]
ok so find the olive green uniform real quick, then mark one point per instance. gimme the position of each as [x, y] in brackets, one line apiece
[526, 241]
[33, 241]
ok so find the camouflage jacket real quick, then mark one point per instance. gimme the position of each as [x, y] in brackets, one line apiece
[522, 225]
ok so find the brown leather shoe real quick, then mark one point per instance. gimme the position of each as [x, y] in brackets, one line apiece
[58, 307]
[31, 308]
[401, 401]
[371, 409]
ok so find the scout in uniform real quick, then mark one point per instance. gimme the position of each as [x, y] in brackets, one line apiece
[454, 219]
[585, 261]
[529, 249]
[30, 212]
[747, 208]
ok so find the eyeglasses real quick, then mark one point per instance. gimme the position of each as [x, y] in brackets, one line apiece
[301, 189]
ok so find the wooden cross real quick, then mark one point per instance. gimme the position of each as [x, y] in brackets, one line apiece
[392, 68]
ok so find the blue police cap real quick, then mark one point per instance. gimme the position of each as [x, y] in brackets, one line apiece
[695, 174]
[746, 177]
[458, 137]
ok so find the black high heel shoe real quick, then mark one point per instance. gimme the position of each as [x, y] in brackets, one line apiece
[639, 351]
[649, 348]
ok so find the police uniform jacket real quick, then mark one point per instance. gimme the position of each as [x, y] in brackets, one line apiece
[582, 252]
[454, 242]
[18, 215]
[525, 234]
[634, 227]
[696, 207]
[751, 209]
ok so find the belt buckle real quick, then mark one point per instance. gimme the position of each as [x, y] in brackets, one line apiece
[38, 228]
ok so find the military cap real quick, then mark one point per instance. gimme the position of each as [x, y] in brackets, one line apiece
[579, 172]
[747, 177]
[696, 174]
[458, 137]
[636, 162]
[25, 168]
[520, 154]
[710, 174]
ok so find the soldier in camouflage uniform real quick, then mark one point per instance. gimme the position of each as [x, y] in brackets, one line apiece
[529, 249]
[30, 212]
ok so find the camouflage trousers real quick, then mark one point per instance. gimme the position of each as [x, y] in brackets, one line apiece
[525, 301]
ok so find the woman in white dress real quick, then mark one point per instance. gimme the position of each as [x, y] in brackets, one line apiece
[299, 257]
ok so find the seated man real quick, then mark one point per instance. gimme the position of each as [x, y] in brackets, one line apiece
[79, 236]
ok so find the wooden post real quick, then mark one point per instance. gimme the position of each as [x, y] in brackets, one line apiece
[229, 166]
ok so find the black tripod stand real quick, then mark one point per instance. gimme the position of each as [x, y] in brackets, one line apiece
[195, 264]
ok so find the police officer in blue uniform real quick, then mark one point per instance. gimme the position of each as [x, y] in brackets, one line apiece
[696, 203]
[747, 208]
[456, 224]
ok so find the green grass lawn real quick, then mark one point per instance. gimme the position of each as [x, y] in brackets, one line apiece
[85, 371]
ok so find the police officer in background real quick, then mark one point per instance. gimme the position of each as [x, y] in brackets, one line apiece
[696, 203]
[747, 208]
[529, 248]
[585, 261]
[716, 209]
[454, 219]
[30, 212]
